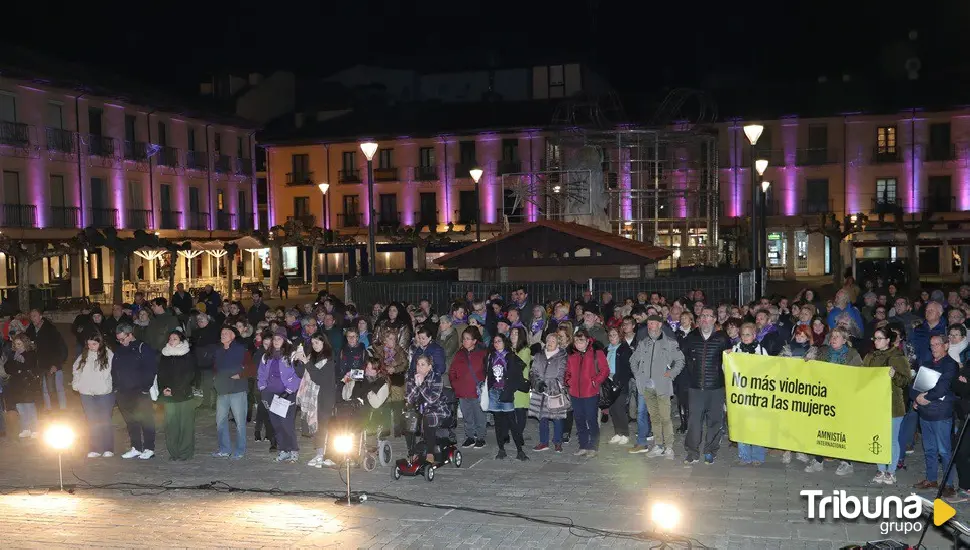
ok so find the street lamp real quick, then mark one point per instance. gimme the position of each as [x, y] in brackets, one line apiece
[369, 148]
[763, 237]
[476, 174]
[324, 187]
[753, 132]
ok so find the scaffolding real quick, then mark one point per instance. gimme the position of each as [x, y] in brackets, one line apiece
[656, 183]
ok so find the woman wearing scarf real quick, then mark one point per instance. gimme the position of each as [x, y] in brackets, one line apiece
[277, 378]
[550, 400]
[837, 351]
[748, 454]
[618, 355]
[393, 363]
[504, 369]
[886, 353]
[958, 350]
[820, 332]
[317, 393]
[176, 371]
[537, 327]
[424, 393]
[363, 332]
[801, 344]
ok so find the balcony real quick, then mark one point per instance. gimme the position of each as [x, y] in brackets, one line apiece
[136, 151]
[101, 146]
[14, 134]
[60, 141]
[225, 221]
[170, 219]
[771, 208]
[299, 178]
[348, 176]
[817, 207]
[349, 219]
[885, 205]
[462, 169]
[308, 220]
[246, 221]
[426, 218]
[65, 217]
[940, 153]
[816, 157]
[198, 221]
[222, 164]
[509, 166]
[167, 156]
[464, 217]
[885, 155]
[385, 174]
[425, 173]
[19, 215]
[139, 219]
[196, 160]
[244, 166]
[389, 219]
[104, 217]
[550, 164]
[939, 203]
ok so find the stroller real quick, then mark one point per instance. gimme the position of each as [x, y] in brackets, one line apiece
[371, 430]
[446, 448]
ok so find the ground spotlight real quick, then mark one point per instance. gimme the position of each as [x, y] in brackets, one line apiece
[59, 437]
[665, 517]
[344, 444]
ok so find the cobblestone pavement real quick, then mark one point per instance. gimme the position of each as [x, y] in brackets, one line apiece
[724, 505]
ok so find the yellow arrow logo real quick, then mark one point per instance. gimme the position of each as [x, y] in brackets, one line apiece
[942, 512]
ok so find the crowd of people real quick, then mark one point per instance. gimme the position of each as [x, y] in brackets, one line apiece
[648, 366]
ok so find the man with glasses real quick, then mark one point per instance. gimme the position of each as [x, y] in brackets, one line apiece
[703, 356]
[935, 409]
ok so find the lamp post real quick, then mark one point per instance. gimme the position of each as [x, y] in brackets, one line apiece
[476, 174]
[763, 238]
[369, 148]
[753, 132]
[324, 187]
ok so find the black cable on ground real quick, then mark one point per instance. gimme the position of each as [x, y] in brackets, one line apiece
[145, 489]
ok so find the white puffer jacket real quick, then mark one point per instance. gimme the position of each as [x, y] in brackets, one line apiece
[89, 377]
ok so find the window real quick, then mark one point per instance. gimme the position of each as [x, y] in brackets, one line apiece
[817, 194]
[557, 81]
[97, 193]
[130, 133]
[55, 115]
[95, 115]
[242, 204]
[776, 250]
[162, 134]
[301, 206]
[220, 200]
[940, 198]
[217, 139]
[165, 196]
[818, 136]
[466, 153]
[886, 140]
[429, 209]
[136, 198]
[801, 251]
[388, 211]
[385, 159]
[301, 167]
[58, 193]
[510, 150]
[191, 138]
[426, 157]
[939, 148]
[8, 107]
[351, 214]
[193, 200]
[11, 188]
[240, 148]
[349, 160]
[466, 207]
[885, 191]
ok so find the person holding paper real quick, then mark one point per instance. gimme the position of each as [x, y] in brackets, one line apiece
[935, 408]
[278, 383]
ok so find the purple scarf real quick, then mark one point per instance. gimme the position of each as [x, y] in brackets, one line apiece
[537, 325]
[769, 328]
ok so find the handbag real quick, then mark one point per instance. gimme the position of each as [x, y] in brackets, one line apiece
[481, 387]
[609, 391]
[153, 391]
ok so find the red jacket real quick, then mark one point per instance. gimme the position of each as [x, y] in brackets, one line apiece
[463, 382]
[586, 371]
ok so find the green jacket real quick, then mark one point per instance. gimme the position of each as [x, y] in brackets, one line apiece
[895, 359]
[522, 397]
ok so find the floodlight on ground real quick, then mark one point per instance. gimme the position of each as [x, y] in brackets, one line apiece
[665, 516]
[344, 444]
[59, 437]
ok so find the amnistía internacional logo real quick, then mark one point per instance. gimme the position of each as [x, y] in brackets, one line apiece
[894, 514]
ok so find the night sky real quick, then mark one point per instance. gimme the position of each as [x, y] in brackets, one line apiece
[638, 45]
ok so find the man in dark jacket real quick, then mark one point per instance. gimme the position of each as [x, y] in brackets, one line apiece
[211, 299]
[934, 325]
[231, 388]
[935, 409]
[161, 325]
[703, 349]
[768, 335]
[181, 301]
[257, 311]
[112, 321]
[133, 371]
[51, 354]
[335, 335]
[205, 339]
[424, 344]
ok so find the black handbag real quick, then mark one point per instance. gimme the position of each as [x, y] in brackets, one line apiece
[609, 393]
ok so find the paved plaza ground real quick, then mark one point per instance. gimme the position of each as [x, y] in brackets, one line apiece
[724, 505]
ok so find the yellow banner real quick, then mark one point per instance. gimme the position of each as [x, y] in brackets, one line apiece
[810, 406]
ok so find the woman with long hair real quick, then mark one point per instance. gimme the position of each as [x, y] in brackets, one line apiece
[277, 379]
[318, 393]
[262, 413]
[503, 369]
[393, 362]
[176, 371]
[519, 344]
[395, 318]
[618, 355]
[885, 353]
[24, 386]
[92, 379]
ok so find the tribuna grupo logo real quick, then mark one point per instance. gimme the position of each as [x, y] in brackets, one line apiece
[894, 514]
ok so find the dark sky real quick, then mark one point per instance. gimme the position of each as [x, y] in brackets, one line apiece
[638, 43]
